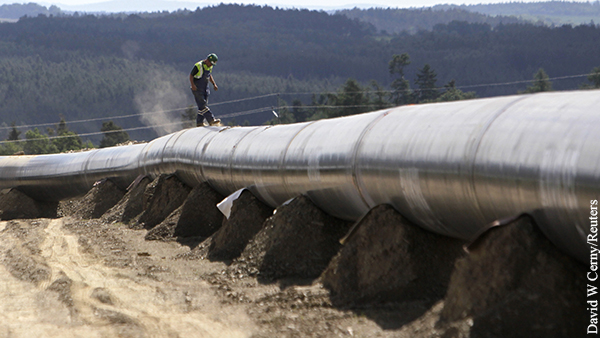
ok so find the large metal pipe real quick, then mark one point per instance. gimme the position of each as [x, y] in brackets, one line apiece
[452, 168]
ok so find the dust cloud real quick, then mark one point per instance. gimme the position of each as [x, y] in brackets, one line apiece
[161, 104]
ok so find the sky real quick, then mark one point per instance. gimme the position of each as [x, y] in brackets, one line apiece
[153, 5]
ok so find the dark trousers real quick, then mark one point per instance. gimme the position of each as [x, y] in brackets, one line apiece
[201, 98]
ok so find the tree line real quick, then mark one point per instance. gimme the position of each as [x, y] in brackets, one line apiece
[308, 44]
[412, 20]
[58, 140]
[98, 68]
[351, 98]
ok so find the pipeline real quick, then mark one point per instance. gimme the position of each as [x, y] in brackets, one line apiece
[452, 168]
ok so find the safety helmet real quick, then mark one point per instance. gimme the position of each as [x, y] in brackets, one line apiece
[212, 57]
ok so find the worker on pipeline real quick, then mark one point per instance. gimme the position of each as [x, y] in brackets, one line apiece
[199, 78]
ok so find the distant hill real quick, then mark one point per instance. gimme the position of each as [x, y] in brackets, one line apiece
[548, 12]
[395, 20]
[153, 6]
[134, 6]
[97, 66]
[15, 11]
[389, 20]
[551, 13]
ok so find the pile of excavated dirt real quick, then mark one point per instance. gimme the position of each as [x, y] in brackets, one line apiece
[161, 197]
[103, 196]
[14, 204]
[79, 277]
[72, 277]
[515, 283]
[131, 205]
[298, 241]
[389, 259]
[247, 217]
[198, 216]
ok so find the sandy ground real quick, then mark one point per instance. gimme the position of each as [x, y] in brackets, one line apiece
[75, 278]
[108, 301]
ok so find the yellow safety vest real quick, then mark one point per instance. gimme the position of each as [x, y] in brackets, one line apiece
[201, 68]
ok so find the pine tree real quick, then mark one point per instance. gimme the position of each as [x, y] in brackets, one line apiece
[379, 101]
[426, 79]
[113, 134]
[352, 99]
[594, 77]
[300, 114]
[66, 139]
[454, 94]
[14, 134]
[401, 93]
[541, 83]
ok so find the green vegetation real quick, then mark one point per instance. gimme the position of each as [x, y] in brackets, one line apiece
[544, 12]
[15, 11]
[594, 78]
[133, 69]
[58, 140]
[541, 83]
[113, 134]
[413, 20]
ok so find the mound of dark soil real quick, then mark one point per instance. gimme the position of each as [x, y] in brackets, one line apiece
[131, 205]
[298, 241]
[199, 214]
[248, 215]
[161, 197]
[197, 217]
[515, 283]
[14, 204]
[387, 258]
[103, 196]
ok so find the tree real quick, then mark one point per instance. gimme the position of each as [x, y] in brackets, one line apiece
[594, 77]
[454, 94]
[352, 99]
[65, 139]
[38, 143]
[283, 115]
[113, 135]
[541, 83]
[11, 148]
[61, 127]
[426, 79]
[14, 134]
[300, 115]
[401, 93]
[379, 101]
[324, 99]
[397, 64]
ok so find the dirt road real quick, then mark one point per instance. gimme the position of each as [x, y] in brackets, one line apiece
[69, 277]
[77, 294]
[73, 278]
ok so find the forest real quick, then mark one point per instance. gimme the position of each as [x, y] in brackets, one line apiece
[554, 12]
[130, 72]
[413, 20]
